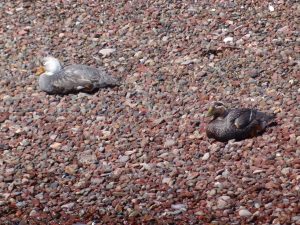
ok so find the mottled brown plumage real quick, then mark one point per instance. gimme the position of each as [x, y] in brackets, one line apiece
[238, 124]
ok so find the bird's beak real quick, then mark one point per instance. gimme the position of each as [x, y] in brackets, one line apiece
[40, 70]
[210, 112]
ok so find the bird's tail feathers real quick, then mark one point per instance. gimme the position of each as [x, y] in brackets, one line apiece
[266, 119]
[113, 81]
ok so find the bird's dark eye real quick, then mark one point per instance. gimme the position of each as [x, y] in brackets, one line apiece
[218, 104]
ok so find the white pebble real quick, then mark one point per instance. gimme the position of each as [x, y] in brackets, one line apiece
[205, 156]
[244, 213]
[107, 51]
[167, 180]
[181, 207]
[228, 39]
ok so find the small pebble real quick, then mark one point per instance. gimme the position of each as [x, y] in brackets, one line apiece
[244, 213]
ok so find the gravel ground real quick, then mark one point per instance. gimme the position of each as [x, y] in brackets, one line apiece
[138, 154]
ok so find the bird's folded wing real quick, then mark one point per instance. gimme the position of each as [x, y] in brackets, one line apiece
[244, 117]
[83, 72]
[72, 78]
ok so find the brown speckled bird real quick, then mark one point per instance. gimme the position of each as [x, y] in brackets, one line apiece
[238, 124]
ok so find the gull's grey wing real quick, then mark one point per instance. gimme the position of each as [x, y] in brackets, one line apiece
[81, 77]
[97, 76]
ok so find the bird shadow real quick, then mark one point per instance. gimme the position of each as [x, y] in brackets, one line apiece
[90, 92]
[272, 124]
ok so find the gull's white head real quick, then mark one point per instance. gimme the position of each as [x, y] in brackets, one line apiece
[50, 66]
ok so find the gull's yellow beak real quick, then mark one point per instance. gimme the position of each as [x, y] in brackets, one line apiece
[210, 111]
[40, 70]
